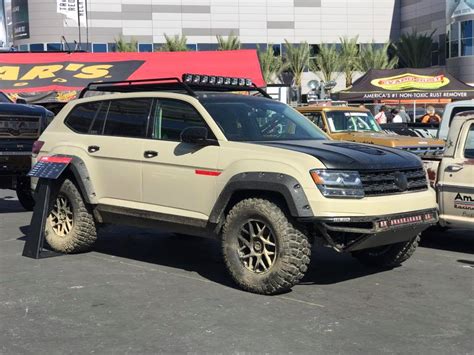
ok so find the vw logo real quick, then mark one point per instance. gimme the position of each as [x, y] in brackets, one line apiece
[401, 180]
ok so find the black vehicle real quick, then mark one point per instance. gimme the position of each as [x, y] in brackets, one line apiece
[20, 126]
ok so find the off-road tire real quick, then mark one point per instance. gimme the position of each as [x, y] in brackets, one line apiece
[24, 194]
[292, 253]
[83, 233]
[387, 256]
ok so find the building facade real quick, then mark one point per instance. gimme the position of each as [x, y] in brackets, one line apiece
[57, 24]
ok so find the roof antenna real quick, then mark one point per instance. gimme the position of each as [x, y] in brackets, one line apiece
[65, 44]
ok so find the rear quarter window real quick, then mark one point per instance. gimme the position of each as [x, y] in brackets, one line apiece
[81, 117]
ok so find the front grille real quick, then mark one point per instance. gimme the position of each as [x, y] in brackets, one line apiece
[424, 151]
[378, 183]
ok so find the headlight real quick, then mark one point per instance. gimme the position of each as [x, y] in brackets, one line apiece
[336, 183]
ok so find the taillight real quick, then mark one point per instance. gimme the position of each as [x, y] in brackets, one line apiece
[37, 145]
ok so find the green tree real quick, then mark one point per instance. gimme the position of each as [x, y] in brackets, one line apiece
[174, 43]
[373, 57]
[414, 49]
[349, 58]
[327, 62]
[296, 59]
[122, 46]
[230, 43]
[272, 65]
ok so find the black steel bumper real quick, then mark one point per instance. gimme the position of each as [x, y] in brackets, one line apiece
[356, 233]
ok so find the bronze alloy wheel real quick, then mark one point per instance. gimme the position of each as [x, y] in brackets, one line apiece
[62, 217]
[257, 246]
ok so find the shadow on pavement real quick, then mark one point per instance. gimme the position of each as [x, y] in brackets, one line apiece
[203, 256]
[458, 240]
[9, 204]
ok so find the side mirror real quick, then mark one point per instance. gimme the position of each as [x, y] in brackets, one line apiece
[21, 101]
[197, 135]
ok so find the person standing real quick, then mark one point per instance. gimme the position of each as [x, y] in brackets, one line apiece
[404, 115]
[396, 118]
[430, 116]
[380, 117]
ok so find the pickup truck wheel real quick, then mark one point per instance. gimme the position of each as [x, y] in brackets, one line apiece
[24, 194]
[389, 255]
[70, 227]
[263, 251]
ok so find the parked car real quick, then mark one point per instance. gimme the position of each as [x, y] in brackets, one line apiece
[20, 127]
[249, 171]
[452, 174]
[358, 125]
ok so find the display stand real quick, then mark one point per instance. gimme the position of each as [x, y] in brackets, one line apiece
[47, 170]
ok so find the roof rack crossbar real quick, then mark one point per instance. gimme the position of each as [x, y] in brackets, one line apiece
[96, 85]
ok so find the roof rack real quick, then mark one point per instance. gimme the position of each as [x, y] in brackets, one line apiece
[189, 85]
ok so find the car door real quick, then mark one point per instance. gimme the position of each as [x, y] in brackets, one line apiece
[115, 147]
[178, 178]
[457, 180]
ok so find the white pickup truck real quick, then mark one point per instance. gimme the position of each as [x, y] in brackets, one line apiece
[452, 174]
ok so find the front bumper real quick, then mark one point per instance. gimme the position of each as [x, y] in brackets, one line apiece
[356, 233]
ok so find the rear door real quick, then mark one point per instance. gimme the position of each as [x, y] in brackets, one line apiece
[109, 137]
[178, 178]
[457, 180]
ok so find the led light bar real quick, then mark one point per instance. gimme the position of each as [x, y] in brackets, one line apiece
[214, 80]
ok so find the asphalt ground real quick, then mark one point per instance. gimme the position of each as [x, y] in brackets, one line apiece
[142, 291]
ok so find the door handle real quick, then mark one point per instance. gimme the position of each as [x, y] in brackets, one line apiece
[453, 168]
[150, 154]
[93, 148]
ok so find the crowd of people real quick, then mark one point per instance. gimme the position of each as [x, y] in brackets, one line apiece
[399, 115]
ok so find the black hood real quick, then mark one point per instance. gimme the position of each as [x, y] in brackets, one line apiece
[352, 156]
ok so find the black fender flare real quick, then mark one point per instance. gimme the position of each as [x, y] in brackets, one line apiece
[285, 185]
[78, 169]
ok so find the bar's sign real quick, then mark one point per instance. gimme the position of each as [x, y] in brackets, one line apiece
[68, 74]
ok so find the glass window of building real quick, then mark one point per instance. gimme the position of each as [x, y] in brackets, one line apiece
[467, 38]
[99, 47]
[145, 47]
[37, 47]
[24, 47]
[191, 47]
[277, 49]
[54, 46]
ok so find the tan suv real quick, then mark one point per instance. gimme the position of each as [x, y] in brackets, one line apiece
[247, 170]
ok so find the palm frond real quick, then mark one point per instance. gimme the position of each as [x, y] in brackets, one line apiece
[230, 43]
[174, 43]
[327, 62]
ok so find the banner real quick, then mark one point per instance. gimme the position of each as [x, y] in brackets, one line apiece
[407, 84]
[70, 9]
[69, 72]
[20, 19]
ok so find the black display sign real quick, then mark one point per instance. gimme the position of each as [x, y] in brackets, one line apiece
[20, 19]
[49, 167]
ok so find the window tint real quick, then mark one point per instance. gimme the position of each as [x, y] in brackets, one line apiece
[469, 145]
[128, 118]
[99, 119]
[316, 118]
[81, 116]
[171, 117]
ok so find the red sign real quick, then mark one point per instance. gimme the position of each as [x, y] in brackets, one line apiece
[37, 72]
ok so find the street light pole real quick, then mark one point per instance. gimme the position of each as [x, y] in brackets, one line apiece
[79, 23]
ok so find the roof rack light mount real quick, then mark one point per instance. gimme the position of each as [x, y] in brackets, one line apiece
[190, 83]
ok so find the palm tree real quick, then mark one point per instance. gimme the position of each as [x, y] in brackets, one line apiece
[231, 43]
[296, 59]
[349, 57]
[272, 65]
[122, 46]
[414, 49]
[373, 57]
[327, 62]
[174, 43]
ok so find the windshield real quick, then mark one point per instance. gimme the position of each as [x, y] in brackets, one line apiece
[343, 121]
[244, 118]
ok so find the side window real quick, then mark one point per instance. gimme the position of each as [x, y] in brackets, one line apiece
[128, 118]
[171, 117]
[80, 118]
[316, 118]
[99, 119]
[469, 144]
